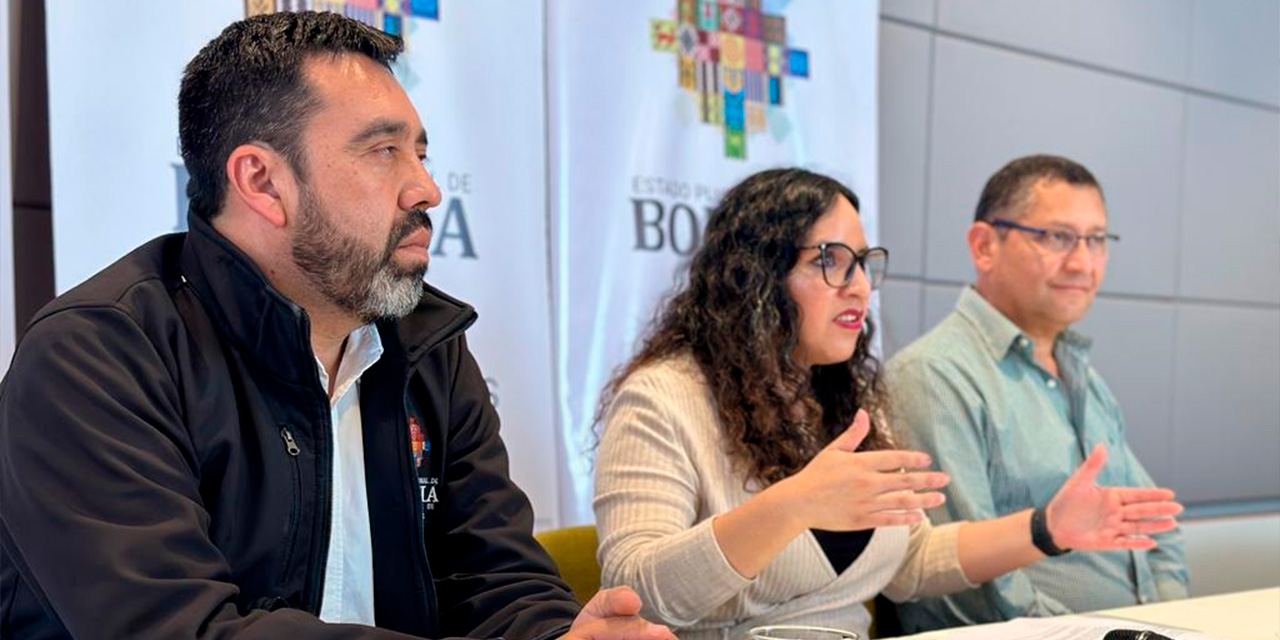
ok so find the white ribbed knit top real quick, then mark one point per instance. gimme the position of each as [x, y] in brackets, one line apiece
[663, 474]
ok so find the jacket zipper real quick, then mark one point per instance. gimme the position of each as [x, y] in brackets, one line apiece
[313, 589]
[319, 561]
[291, 539]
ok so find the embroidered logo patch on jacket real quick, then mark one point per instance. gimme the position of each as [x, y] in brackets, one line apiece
[427, 484]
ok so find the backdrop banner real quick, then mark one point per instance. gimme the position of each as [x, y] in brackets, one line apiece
[656, 108]
[473, 69]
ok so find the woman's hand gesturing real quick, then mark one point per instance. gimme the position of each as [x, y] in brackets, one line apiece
[843, 489]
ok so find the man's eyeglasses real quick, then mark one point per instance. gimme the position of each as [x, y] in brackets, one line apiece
[1060, 240]
[839, 261]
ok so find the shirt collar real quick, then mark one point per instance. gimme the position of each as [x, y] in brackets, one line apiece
[1000, 334]
[363, 349]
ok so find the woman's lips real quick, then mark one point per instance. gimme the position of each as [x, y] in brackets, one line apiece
[850, 319]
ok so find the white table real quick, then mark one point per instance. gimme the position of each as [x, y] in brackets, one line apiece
[1246, 615]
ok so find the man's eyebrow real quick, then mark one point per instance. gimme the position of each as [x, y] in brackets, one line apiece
[384, 127]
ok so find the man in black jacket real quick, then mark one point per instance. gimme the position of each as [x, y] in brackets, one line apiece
[270, 427]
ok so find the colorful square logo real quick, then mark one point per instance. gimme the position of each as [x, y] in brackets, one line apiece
[733, 57]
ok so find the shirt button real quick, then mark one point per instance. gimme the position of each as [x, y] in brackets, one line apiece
[1053, 384]
[1022, 342]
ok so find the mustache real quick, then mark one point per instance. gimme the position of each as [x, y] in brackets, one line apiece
[413, 220]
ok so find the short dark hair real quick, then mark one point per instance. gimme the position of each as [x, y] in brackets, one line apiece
[247, 85]
[1008, 191]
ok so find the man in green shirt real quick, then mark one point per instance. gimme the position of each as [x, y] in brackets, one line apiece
[1002, 395]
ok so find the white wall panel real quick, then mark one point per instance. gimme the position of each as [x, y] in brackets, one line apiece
[1142, 37]
[904, 125]
[1232, 554]
[1231, 203]
[991, 106]
[1226, 411]
[922, 11]
[1235, 48]
[900, 304]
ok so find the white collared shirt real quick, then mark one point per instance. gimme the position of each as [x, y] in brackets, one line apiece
[348, 572]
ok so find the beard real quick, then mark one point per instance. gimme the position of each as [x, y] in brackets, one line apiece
[358, 280]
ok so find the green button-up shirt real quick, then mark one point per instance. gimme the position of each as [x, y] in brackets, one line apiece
[1009, 433]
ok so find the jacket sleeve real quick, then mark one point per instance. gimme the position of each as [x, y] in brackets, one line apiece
[936, 412]
[492, 577]
[100, 509]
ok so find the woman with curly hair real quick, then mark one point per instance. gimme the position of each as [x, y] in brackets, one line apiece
[746, 472]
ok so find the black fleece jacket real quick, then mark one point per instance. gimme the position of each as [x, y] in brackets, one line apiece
[165, 454]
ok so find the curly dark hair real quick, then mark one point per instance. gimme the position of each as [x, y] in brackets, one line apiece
[247, 85]
[734, 315]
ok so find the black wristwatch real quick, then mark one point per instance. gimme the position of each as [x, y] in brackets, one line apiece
[1040, 536]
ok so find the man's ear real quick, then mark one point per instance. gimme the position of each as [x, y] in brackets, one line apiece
[261, 178]
[984, 243]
